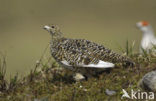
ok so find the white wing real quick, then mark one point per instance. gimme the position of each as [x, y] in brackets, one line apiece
[100, 64]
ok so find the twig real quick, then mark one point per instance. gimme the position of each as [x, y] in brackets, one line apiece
[39, 62]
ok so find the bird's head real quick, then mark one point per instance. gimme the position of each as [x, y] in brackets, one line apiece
[144, 26]
[52, 29]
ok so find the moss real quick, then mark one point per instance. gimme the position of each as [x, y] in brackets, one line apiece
[56, 84]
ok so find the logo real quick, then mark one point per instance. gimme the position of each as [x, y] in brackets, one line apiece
[137, 95]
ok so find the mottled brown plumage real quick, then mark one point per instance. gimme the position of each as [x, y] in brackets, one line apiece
[78, 53]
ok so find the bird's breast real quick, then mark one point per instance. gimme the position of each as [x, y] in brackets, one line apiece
[146, 43]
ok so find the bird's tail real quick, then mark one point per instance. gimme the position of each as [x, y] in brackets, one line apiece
[126, 61]
[117, 58]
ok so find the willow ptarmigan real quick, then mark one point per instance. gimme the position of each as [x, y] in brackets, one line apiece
[82, 56]
[148, 39]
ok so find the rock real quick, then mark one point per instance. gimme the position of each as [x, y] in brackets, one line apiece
[78, 77]
[148, 82]
[110, 92]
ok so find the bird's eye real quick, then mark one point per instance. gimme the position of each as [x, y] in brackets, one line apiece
[52, 26]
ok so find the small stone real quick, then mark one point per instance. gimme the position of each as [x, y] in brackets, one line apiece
[110, 92]
[148, 82]
[78, 77]
[85, 90]
[80, 86]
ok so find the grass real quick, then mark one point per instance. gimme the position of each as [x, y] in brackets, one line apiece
[3, 82]
[53, 83]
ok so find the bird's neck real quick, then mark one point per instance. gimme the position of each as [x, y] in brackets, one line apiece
[56, 38]
[148, 32]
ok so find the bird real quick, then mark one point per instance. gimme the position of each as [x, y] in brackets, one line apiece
[80, 55]
[148, 40]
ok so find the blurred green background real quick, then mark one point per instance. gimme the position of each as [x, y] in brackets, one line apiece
[108, 22]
